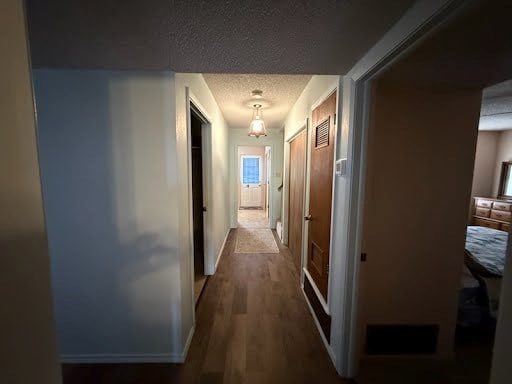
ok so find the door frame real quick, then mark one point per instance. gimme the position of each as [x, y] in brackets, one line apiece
[286, 192]
[236, 181]
[325, 302]
[424, 17]
[192, 103]
[240, 174]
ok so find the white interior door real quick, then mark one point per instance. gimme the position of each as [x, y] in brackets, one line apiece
[251, 196]
[250, 181]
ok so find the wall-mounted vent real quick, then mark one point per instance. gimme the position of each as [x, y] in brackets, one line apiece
[401, 339]
[322, 133]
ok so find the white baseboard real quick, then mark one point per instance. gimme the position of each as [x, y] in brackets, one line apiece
[116, 358]
[319, 328]
[221, 249]
[187, 344]
[317, 291]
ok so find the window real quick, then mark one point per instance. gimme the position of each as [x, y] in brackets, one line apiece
[251, 170]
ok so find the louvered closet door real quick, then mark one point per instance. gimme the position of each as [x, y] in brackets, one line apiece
[321, 177]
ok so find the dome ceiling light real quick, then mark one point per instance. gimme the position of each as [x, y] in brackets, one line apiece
[257, 125]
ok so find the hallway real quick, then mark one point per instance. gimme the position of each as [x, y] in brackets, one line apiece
[252, 218]
[252, 326]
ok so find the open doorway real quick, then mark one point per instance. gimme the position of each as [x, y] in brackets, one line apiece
[253, 186]
[197, 143]
[425, 300]
[488, 228]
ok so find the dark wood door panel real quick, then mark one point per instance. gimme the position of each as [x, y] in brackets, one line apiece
[320, 198]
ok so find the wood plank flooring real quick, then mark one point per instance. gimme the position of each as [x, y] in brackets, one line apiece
[253, 326]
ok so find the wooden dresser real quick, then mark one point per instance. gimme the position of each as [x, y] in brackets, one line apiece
[492, 213]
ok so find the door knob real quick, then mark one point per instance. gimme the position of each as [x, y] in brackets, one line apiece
[307, 218]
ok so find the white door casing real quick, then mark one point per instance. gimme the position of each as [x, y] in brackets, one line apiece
[251, 190]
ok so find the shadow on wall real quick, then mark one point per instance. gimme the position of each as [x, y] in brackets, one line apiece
[108, 201]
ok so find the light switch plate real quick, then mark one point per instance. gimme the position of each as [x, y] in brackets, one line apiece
[341, 167]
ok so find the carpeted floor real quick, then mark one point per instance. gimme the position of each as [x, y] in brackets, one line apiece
[252, 218]
[255, 240]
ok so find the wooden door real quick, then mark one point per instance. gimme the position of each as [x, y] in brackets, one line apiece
[296, 197]
[320, 198]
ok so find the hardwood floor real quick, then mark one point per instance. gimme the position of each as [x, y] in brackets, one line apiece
[253, 326]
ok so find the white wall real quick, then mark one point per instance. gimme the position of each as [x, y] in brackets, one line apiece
[317, 89]
[107, 150]
[218, 205]
[238, 137]
[27, 331]
[485, 164]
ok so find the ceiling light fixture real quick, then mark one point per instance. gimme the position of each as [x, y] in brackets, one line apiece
[257, 126]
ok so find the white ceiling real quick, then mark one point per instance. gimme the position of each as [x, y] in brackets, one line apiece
[222, 36]
[496, 112]
[233, 95]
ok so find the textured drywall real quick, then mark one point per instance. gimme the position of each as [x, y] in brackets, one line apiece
[28, 350]
[233, 95]
[268, 36]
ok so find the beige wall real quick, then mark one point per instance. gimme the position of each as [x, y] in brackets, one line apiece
[493, 148]
[503, 153]
[420, 165]
[28, 349]
[257, 151]
[217, 218]
[274, 139]
[485, 164]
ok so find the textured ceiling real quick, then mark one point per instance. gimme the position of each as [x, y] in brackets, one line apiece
[224, 36]
[496, 112]
[233, 95]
